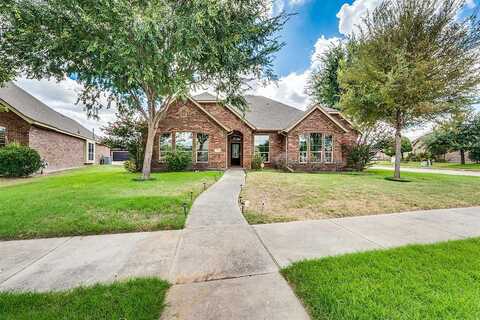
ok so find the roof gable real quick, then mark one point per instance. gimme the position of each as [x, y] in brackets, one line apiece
[36, 112]
[309, 112]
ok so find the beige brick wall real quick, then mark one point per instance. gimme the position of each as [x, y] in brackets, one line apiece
[59, 150]
[17, 128]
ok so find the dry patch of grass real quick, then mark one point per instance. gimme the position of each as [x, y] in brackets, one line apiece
[274, 196]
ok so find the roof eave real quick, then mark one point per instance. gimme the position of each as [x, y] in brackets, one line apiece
[317, 107]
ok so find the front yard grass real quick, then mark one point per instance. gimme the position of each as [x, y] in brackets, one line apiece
[96, 200]
[141, 299]
[439, 281]
[274, 196]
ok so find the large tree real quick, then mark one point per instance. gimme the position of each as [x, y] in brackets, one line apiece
[142, 55]
[323, 84]
[411, 62]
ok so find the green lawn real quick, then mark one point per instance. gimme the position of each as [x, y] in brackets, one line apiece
[418, 282]
[436, 165]
[274, 196]
[140, 299]
[94, 200]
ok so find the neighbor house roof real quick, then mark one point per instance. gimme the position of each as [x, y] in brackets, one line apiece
[267, 114]
[36, 112]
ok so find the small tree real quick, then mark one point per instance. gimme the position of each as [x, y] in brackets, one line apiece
[127, 133]
[411, 62]
[387, 146]
[323, 84]
[142, 55]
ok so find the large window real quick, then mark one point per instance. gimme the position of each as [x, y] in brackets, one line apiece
[3, 137]
[202, 147]
[315, 147]
[165, 145]
[262, 146]
[184, 142]
[303, 148]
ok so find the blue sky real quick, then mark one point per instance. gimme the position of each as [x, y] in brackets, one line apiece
[315, 25]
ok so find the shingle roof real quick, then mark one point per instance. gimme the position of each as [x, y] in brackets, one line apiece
[40, 113]
[265, 113]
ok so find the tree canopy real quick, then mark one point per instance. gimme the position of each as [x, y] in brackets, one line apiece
[323, 84]
[141, 55]
[412, 61]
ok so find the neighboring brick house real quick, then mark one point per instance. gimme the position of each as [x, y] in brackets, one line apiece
[62, 142]
[219, 137]
[419, 147]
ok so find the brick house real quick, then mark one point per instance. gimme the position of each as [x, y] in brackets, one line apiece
[219, 137]
[62, 142]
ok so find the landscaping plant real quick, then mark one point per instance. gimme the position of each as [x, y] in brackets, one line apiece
[257, 161]
[19, 161]
[178, 160]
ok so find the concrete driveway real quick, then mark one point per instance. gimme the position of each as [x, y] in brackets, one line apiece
[437, 171]
[221, 267]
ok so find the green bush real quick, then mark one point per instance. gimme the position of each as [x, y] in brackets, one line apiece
[257, 162]
[178, 161]
[19, 161]
[359, 156]
[131, 166]
[475, 154]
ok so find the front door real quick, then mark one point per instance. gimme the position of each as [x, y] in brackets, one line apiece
[235, 154]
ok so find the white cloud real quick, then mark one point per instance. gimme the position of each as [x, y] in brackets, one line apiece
[62, 96]
[470, 4]
[351, 15]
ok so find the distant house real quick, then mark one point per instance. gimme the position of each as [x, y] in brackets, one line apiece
[418, 146]
[220, 137]
[62, 142]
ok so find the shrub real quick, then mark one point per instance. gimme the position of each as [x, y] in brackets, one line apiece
[19, 161]
[178, 161]
[257, 162]
[359, 156]
[131, 166]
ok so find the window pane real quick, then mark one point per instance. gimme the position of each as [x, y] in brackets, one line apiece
[315, 142]
[303, 148]
[3, 138]
[315, 147]
[328, 146]
[184, 141]
[202, 147]
[262, 146]
[165, 145]
[91, 151]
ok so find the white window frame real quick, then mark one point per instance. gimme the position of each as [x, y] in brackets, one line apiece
[255, 147]
[160, 157]
[87, 151]
[325, 150]
[309, 158]
[307, 138]
[310, 152]
[197, 151]
[5, 142]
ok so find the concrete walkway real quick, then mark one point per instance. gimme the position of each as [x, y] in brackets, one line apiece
[438, 171]
[221, 267]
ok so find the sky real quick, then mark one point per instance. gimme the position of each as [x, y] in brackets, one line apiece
[313, 27]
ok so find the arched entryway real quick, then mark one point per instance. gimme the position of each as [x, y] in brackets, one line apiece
[235, 149]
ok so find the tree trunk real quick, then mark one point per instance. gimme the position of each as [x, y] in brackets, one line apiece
[147, 160]
[398, 146]
[462, 156]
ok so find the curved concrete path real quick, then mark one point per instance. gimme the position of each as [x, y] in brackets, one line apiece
[221, 269]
